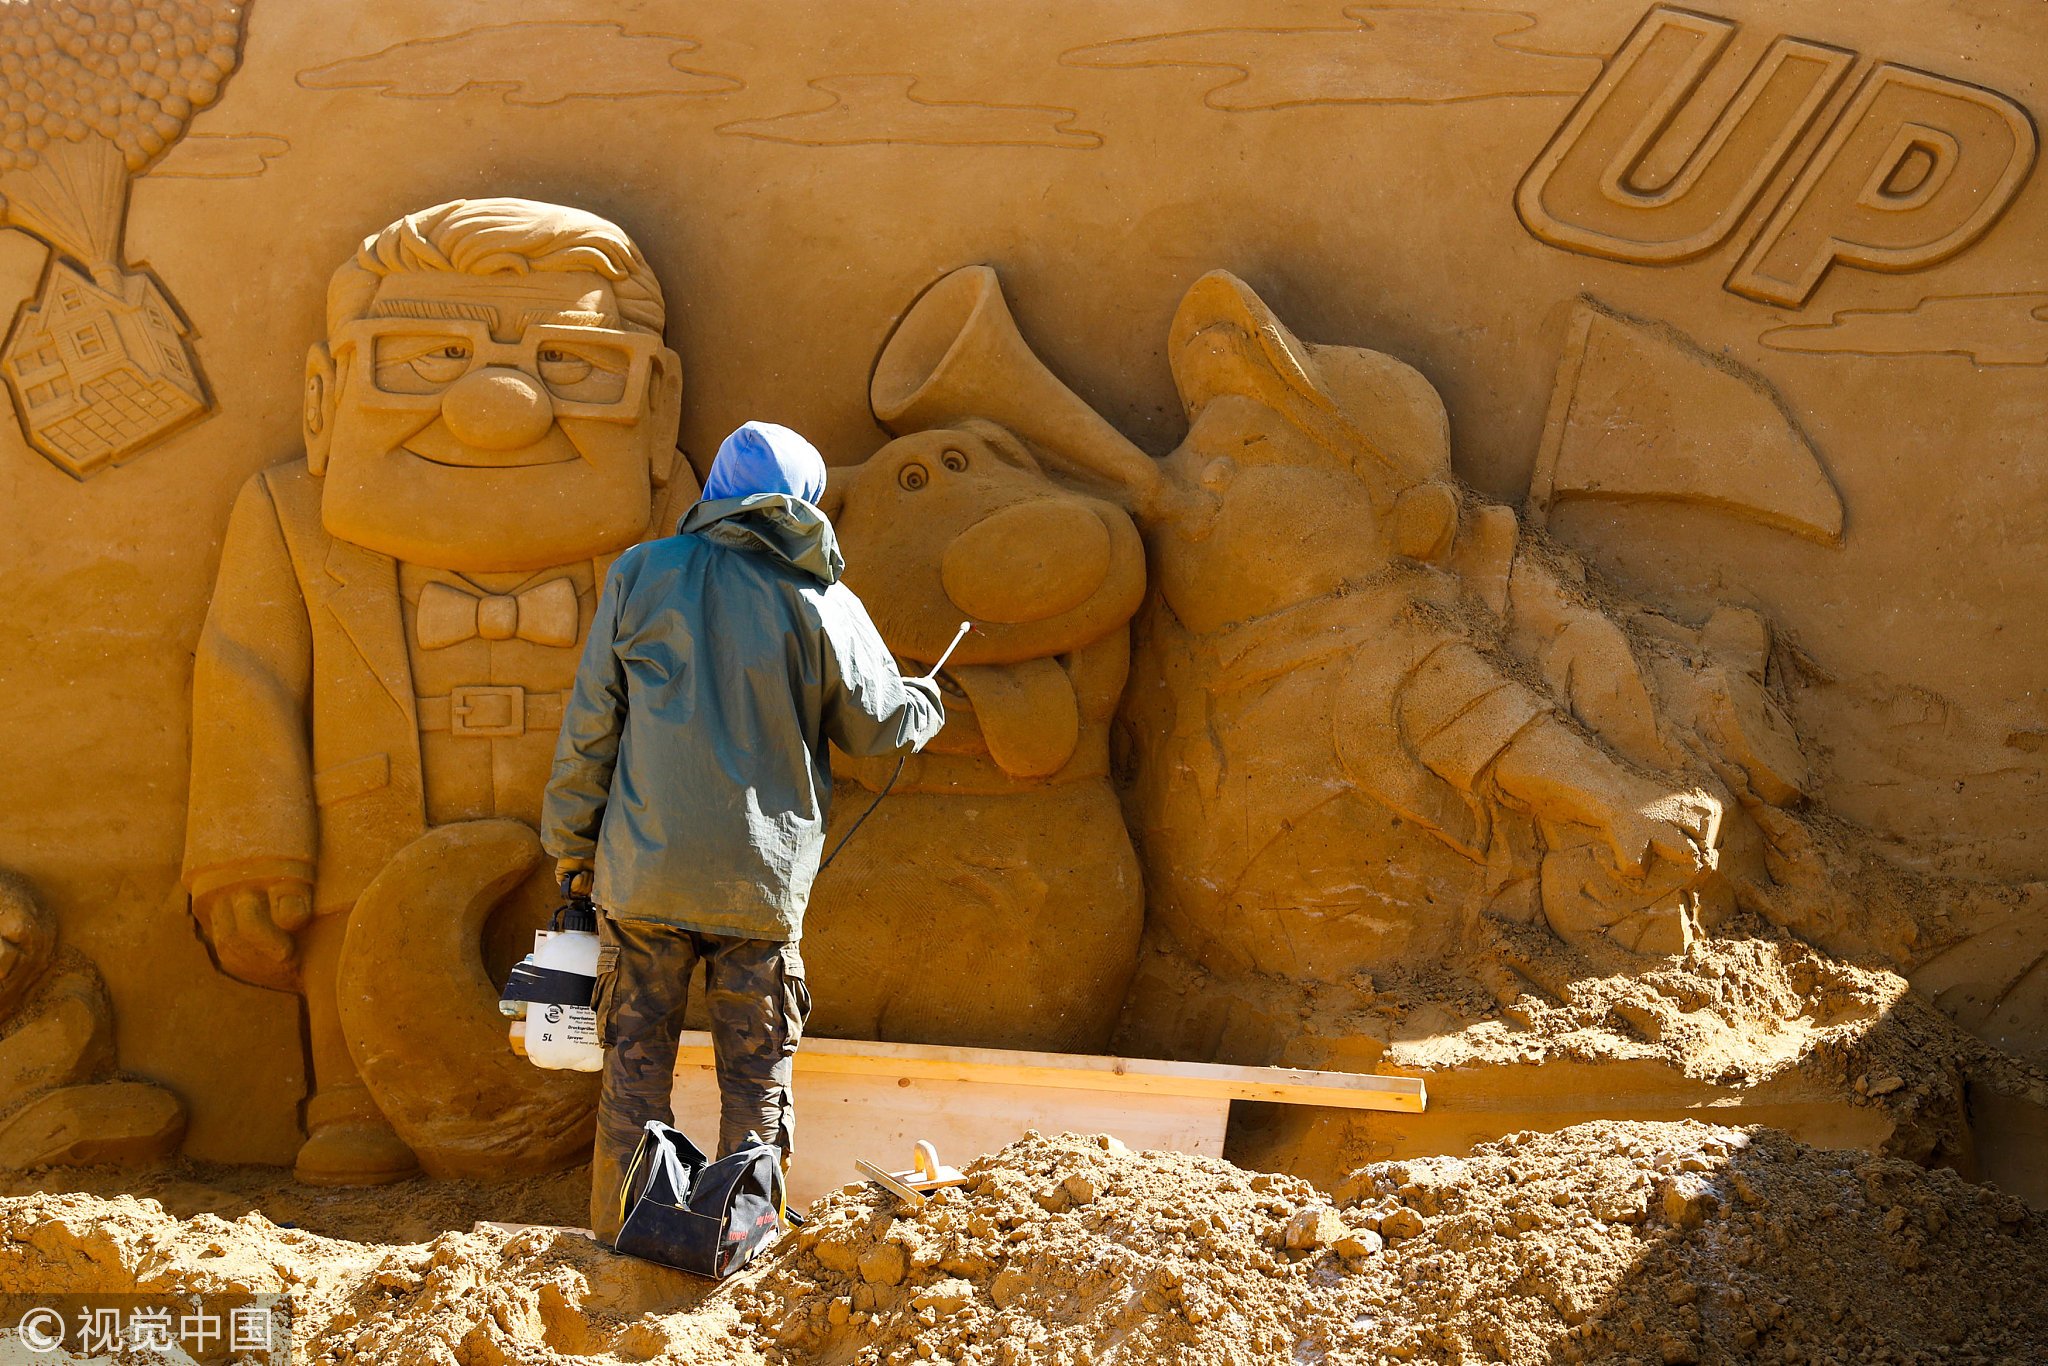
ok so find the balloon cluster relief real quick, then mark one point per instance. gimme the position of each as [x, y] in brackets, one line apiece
[130, 71]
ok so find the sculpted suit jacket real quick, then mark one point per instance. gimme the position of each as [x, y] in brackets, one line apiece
[305, 727]
[290, 779]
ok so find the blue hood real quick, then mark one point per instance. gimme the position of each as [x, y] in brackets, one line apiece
[762, 457]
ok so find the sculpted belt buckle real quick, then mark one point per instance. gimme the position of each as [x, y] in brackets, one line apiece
[487, 712]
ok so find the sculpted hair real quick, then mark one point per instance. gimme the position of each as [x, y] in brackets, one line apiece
[499, 237]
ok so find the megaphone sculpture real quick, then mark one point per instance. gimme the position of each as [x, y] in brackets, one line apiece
[957, 354]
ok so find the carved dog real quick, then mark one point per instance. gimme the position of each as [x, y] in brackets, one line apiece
[994, 898]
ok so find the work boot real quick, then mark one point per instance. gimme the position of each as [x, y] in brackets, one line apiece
[349, 1144]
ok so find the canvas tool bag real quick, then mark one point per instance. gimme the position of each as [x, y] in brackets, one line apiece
[704, 1217]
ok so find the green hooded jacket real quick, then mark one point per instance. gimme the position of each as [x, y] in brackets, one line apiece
[694, 758]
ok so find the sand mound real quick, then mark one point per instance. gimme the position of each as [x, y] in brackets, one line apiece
[1608, 1242]
[1685, 1242]
[1534, 1033]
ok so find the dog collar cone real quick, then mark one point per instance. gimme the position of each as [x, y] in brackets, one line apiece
[548, 993]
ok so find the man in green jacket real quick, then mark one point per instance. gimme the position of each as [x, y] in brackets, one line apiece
[693, 777]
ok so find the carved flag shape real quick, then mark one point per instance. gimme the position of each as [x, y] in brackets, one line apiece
[1641, 412]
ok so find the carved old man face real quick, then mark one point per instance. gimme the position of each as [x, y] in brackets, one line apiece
[493, 393]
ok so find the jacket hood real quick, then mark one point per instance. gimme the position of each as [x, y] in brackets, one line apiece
[762, 457]
[781, 524]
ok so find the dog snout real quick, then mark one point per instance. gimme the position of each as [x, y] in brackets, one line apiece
[1028, 562]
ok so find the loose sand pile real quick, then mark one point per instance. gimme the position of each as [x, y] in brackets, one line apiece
[1607, 1242]
[1740, 1011]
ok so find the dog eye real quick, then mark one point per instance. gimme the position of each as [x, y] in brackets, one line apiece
[953, 460]
[913, 476]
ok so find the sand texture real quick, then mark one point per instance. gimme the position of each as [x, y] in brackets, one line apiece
[1607, 1242]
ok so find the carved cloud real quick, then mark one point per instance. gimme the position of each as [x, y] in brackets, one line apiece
[531, 63]
[1989, 329]
[221, 156]
[884, 107]
[1390, 55]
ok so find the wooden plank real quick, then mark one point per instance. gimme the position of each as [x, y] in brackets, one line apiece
[841, 1116]
[1092, 1072]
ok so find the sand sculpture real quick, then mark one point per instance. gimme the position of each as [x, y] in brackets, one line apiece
[1346, 690]
[1736, 318]
[1377, 719]
[1374, 717]
[1415, 723]
[1913, 166]
[381, 675]
[98, 365]
[1006, 829]
[62, 1100]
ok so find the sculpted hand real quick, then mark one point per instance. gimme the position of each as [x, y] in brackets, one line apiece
[1561, 776]
[1677, 827]
[250, 926]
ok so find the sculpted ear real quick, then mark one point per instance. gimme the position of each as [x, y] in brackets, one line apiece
[838, 483]
[1225, 340]
[322, 396]
[664, 413]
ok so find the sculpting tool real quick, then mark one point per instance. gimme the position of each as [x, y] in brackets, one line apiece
[958, 636]
[925, 1175]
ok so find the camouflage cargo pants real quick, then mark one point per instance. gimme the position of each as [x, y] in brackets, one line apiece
[757, 999]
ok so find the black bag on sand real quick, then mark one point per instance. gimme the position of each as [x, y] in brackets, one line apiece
[707, 1218]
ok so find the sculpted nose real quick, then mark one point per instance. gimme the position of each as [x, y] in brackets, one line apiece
[497, 409]
[1027, 562]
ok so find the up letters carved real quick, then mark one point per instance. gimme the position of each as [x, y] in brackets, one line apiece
[1913, 169]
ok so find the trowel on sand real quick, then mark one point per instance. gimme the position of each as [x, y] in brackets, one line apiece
[925, 1175]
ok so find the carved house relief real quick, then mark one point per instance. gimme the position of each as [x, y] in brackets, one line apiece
[95, 93]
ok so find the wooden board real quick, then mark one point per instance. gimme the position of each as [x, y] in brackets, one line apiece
[1092, 1072]
[857, 1099]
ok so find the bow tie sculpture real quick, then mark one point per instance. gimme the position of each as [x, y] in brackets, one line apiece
[544, 614]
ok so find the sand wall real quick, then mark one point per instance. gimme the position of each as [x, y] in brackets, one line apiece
[1790, 383]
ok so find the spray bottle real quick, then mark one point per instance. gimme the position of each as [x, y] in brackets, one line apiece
[548, 993]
